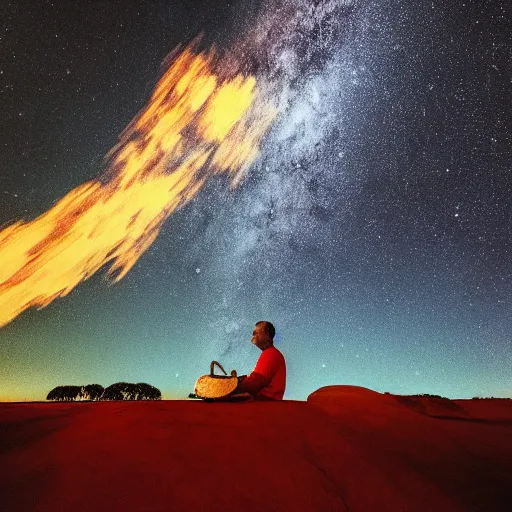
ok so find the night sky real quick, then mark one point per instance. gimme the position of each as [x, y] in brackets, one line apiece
[373, 229]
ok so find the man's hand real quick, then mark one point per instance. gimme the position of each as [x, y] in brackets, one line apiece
[252, 384]
[235, 391]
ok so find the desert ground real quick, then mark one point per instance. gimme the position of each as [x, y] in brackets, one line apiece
[346, 448]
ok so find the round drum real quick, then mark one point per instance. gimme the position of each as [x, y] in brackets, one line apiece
[216, 386]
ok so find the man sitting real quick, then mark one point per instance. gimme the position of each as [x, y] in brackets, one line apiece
[268, 379]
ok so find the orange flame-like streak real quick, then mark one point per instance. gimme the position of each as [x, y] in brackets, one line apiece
[195, 125]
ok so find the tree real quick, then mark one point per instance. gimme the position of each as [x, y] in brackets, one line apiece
[148, 392]
[53, 394]
[112, 393]
[128, 391]
[92, 391]
[117, 391]
[64, 393]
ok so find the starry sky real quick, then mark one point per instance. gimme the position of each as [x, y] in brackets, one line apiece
[373, 229]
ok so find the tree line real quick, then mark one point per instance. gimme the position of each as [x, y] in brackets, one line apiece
[96, 392]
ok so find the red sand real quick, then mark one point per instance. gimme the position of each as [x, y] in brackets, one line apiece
[346, 448]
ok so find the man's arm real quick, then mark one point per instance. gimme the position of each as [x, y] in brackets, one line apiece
[252, 384]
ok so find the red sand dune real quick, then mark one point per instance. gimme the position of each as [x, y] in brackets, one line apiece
[346, 448]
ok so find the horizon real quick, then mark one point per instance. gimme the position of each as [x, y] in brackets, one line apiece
[171, 398]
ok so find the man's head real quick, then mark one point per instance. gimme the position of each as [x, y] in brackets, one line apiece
[263, 334]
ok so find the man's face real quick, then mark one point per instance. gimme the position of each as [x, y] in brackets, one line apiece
[260, 336]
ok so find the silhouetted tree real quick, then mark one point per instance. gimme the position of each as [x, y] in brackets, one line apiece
[126, 390]
[117, 391]
[64, 393]
[112, 393]
[73, 392]
[92, 391]
[427, 395]
[53, 394]
[148, 392]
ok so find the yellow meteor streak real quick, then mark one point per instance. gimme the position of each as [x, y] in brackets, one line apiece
[195, 125]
